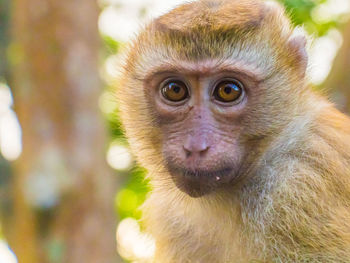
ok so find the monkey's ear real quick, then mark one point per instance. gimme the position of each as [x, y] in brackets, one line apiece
[297, 45]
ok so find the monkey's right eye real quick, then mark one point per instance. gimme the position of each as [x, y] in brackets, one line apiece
[174, 91]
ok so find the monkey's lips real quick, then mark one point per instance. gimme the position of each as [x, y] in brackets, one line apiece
[197, 183]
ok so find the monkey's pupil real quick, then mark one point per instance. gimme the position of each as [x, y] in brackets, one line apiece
[176, 89]
[228, 89]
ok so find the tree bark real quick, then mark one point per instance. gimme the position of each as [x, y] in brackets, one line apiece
[338, 81]
[54, 57]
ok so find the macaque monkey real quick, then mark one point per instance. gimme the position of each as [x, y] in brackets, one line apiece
[246, 162]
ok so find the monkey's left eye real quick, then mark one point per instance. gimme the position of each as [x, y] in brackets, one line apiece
[228, 91]
[174, 91]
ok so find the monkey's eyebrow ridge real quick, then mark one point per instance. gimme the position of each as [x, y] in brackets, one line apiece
[207, 67]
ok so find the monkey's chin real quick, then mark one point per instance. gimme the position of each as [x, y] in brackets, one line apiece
[197, 183]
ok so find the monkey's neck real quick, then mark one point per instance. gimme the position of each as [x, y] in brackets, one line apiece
[206, 229]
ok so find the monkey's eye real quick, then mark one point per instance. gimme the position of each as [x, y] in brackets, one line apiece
[228, 91]
[174, 91]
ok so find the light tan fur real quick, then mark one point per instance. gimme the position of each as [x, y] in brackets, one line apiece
[293, 204]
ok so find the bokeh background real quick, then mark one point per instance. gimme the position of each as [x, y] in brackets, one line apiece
[69, 187]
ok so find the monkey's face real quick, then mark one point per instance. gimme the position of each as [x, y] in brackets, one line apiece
[210, 90]
[199, 110]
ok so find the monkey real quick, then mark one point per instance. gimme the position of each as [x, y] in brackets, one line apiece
[247, 163]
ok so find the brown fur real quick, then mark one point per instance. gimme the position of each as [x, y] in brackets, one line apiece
[292, 204]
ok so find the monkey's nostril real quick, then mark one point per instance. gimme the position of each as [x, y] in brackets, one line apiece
[187, 152]
[195, 149]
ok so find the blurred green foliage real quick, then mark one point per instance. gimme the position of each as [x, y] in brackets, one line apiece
[111, 45]
[129, 199]
[300, 12]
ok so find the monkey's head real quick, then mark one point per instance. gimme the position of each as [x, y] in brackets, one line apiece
[206, 86]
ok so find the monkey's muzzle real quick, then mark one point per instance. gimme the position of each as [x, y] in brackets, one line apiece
[197, 183]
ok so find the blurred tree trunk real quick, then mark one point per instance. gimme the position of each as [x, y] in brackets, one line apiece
[62, 189]
[338, 81]
[4, 19]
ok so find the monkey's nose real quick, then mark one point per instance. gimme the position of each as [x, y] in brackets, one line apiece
[195, 146]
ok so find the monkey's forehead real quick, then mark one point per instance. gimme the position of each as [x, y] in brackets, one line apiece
[205, 28]
[213, 15]
[251, 30]
[230, 16]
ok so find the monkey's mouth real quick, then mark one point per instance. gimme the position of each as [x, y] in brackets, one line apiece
[197, 183]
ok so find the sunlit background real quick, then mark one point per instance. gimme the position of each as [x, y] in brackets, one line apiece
[119, 21]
